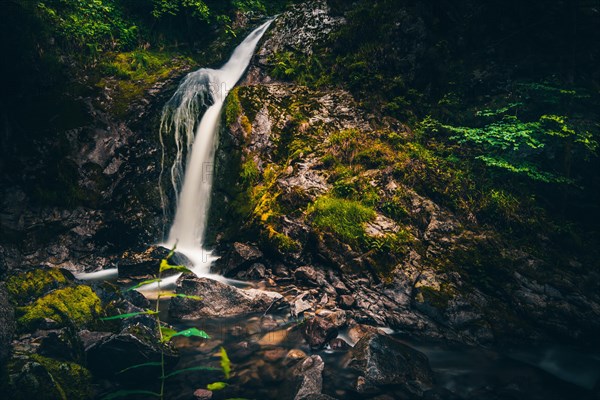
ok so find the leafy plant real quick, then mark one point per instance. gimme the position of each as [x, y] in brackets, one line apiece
[95, 25]
[166, 334]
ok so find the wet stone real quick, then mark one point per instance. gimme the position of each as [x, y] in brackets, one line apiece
[203, 394]
[318, 331]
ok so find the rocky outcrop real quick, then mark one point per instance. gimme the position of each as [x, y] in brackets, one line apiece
[415, 263]
[85, 190]
[218, 299]
[300, 29]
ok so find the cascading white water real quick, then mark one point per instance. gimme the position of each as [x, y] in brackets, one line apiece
[199, 89]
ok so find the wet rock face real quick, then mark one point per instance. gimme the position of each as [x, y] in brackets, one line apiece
[299, 29]
[218, 299]
[382, 360]
[88, 191]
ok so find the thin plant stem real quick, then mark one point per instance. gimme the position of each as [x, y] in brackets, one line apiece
[162, 352]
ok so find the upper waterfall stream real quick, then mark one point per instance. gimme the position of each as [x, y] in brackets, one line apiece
[191, 173]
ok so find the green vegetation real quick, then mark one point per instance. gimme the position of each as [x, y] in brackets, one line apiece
[345, 218]
[27, 286]
[73, 306]
[507, 134]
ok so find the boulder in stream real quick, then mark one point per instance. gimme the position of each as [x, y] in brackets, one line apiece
[218, 299]
[383, 360]
[318, 331]
[143, 264]
[310, 375]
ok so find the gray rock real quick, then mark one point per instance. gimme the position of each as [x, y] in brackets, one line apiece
[310, 375]
[382, 360]
[240, 257]
[203, 394]
[219, 299]
[309, 275]
[301, 304]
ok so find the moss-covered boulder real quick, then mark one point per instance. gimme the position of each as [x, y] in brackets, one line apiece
[27, 286]
[42, 378]
[75, 306]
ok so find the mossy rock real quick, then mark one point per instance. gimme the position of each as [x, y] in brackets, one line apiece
[73, 306]
[42, 378]
[438, 298]
[28, 286]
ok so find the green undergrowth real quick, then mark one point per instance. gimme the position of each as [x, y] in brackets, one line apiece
[131, 74]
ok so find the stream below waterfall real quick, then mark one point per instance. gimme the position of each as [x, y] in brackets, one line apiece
[262, 350]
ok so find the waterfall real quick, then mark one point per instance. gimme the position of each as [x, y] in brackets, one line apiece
[195, 146]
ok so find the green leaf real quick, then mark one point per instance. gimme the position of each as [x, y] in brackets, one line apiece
[181, 371]
[167, 333]
[165, 266]
[216, 386]
[171, 252]
[142, 283]
[189, 296]
[148, 364]
[225, 363]
[123, 393]
[193, 332]
[186, 296]
[128, 315]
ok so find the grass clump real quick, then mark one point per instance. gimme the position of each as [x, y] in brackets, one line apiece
[344, 218]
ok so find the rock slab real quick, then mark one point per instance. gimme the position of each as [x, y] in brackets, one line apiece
[218, 299]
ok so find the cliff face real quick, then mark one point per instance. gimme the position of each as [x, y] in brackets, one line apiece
[337, 196]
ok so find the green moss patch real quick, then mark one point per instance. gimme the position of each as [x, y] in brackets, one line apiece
[344, 218]
[438, 298]
[27, 286]
[73, 305]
